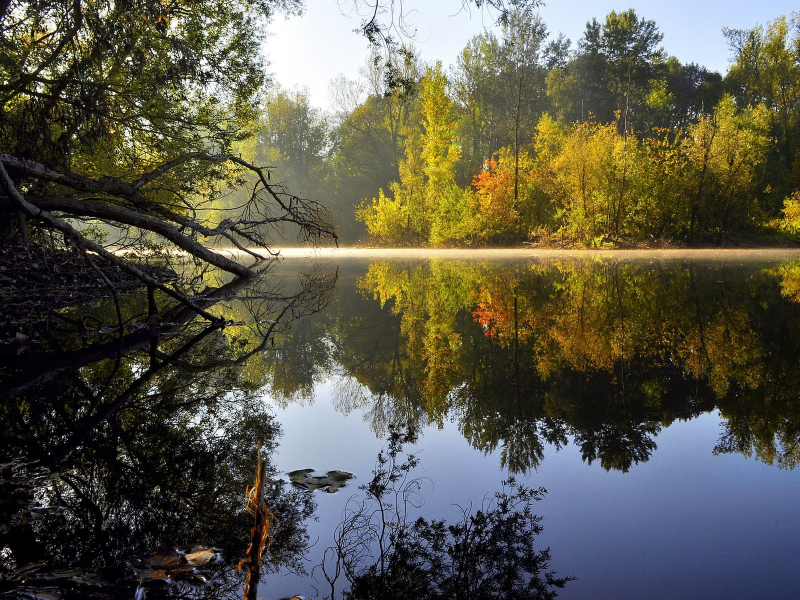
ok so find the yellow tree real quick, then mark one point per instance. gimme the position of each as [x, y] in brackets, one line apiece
[591, 171]
[724, 152]
[452, 214]
[426, 206]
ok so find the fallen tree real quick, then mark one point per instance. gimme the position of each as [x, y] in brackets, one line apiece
[130, 115]
[115, 201]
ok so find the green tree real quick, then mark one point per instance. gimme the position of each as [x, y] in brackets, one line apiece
[373, 115]
[766, 71]
[693, 91]
[611, 75]
[500, 89]
[129, 114]
[626, 46]
[294, 139]
[521, 80]
[473, 82]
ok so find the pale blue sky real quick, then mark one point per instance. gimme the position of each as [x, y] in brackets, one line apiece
[313, 49]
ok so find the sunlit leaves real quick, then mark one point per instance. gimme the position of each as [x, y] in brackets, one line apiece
[426, 205]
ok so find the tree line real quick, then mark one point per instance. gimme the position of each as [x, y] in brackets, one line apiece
[135, 118]
[530, 138]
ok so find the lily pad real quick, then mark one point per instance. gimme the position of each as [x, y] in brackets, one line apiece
[331, 482]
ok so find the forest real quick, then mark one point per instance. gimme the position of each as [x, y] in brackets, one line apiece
[142, 363]
[163, 129]
[530, 138]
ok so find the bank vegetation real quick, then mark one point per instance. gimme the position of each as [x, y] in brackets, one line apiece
[530, 138]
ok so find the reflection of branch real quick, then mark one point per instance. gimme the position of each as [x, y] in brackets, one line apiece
[487, 553]
[112, 289]
[379, 517]
[260, 533]
[85, 426]
[51, 365]
[313, 298]
[179, 316]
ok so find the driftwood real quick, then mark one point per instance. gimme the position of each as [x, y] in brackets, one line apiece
[263, 524]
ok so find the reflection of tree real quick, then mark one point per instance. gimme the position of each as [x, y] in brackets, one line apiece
[608, 353]
[381, 378]
[790, 282]
[521, 356]
[762, 417]
[383, 552]
[154, 446]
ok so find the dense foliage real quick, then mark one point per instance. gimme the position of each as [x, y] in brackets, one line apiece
[143, 119]
[529, 137]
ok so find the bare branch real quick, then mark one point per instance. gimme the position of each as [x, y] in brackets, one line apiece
[84, 244]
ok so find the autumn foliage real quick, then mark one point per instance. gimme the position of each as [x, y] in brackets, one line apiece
[615, 144]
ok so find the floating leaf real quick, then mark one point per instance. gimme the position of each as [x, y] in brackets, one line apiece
[201, 557]
[330, 482]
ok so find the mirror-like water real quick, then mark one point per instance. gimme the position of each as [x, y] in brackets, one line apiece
[655, 396]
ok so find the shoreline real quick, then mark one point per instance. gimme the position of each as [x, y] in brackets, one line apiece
[480, 254]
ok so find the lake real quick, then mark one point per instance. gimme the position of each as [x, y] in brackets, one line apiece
[654, 395]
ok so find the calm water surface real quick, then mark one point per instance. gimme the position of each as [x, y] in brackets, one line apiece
[655, 396]
[655, 400]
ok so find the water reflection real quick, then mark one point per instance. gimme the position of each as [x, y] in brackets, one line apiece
[121, 451]
[381, 551]
[605, 353]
